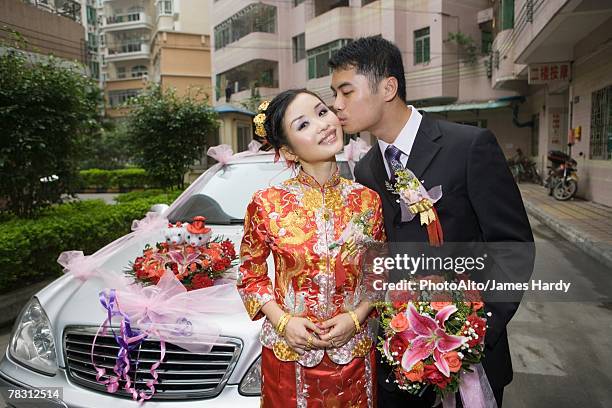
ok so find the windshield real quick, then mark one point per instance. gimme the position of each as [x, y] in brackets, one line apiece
[224, 198]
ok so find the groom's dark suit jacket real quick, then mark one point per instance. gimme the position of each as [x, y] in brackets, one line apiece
[480, 203]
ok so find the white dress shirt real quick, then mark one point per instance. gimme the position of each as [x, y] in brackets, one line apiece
[405, 139]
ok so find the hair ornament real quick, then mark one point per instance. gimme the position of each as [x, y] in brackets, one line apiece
[259, 120]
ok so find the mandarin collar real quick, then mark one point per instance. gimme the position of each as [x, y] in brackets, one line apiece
[310, 181]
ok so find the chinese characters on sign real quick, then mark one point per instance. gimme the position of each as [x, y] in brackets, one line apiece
[549, 72]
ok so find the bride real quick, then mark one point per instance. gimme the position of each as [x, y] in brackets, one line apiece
[318, 343]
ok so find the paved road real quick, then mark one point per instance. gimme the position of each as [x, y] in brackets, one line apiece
[562, 352]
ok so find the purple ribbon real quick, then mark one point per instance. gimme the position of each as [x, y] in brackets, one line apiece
[128, 340]
[474, 389]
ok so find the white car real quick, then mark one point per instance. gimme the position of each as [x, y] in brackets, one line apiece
[51, 341]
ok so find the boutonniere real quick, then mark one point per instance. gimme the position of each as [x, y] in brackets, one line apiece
[415, 199]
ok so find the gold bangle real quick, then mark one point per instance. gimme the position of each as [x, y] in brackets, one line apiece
[282, 323]
[355, 320]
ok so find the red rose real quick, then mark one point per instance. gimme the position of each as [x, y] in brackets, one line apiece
[229, 249]
[400, 298]
[141, 274]
[398, 345]
[434, 376]
[480, 327]
[221, 264]
[201, 281]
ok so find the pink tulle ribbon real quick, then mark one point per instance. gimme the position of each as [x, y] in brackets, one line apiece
[152, 221]
[354, 150]
[76, 263]
[224, 153]
[474, 389]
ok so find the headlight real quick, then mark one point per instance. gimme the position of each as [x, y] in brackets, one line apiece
[32, 342]
[251, 382]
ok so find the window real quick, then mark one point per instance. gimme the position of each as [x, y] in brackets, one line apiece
[299, 48]
[91, 15]
[94, 69]
[257, 17]
[486, 42]
[120, 72]
[318, 58]
[164, 7]
[244, 136]
[92, 42]
[601, 124]
[297, 2]
[506, 14]
[118, 98]
[139, 71]
[421, 46]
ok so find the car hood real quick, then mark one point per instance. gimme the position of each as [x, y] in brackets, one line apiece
[69, 301]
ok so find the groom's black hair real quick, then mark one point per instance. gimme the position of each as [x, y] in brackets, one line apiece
[374, 57]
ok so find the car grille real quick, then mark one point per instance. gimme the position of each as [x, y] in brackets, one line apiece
[182, 375]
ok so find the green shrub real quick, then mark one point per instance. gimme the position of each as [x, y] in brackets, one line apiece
[146, 194]
[29, 247]
[125, 179]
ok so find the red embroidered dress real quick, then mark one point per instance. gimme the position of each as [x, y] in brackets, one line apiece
[299, 221]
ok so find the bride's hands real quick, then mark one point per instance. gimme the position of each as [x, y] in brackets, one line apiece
[341, 329]
[298, 331]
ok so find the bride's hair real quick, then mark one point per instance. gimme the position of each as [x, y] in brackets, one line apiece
[275, 114]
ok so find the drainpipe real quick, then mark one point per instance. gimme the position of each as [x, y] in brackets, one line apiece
[515, 113]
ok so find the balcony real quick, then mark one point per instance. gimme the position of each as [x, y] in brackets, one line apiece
[127, 51]
[323, 6]
[254, 74]
[333, 25]
[126, 22]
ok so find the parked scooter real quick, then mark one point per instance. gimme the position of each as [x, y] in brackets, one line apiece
[562, 180]
[524, 169]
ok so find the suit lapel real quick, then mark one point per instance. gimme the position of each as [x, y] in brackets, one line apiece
[380, 176]
[424, 148]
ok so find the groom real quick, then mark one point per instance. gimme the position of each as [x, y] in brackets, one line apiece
[480, 201]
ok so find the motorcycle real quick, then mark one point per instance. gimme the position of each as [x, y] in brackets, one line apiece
[562, 180]
[524, 169]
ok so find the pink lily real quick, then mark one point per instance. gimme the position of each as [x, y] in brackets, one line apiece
[183, 261]
[427, 336]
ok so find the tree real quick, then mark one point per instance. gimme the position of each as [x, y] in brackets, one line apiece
[46, 107]
[468, 46]
[254, 100]
[168, 133]
[106, 149]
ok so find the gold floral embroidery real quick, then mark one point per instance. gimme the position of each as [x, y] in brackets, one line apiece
[284, 353]
[313, 199]
[362, 348]
[252, 306]
[333, 199]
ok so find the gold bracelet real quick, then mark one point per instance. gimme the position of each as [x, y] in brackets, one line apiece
[282, 323]
[355, 320]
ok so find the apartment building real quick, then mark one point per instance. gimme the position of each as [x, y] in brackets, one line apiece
[558, 56]
[165, 41]
[48, 27]
[273, 45]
